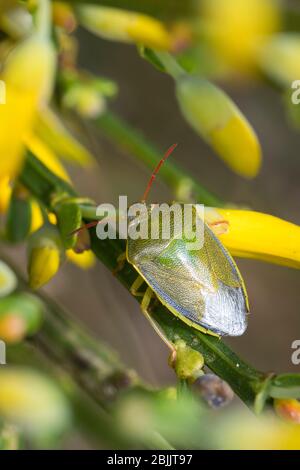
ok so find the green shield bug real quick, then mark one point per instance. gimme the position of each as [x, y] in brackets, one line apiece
[203, 287]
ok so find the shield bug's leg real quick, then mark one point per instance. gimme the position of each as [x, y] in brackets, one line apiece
[145, 309]
[121, 260]
[135, 287]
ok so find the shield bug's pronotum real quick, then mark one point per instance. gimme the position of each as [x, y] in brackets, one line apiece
[202, 287]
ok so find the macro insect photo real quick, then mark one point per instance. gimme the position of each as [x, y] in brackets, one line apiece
[150, 237]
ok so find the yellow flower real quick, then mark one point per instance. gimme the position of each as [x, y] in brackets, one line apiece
[126, 26]
[253, 234]
[288, 409]
[241, 430]
[33, 402]
[235, 28]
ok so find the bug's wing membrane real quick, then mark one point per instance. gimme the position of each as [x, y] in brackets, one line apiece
[204, 287]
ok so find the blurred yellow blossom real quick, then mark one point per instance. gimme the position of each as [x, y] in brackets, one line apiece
[33, 402]
[235, 28]
[122, 25]
[28, 74]
[46, 156]
[214, 116]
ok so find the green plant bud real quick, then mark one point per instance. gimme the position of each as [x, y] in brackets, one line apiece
[18, 218]
[189, 362]
[68, 219]
[8, 279]
[217, 119]
[20, 316]
[34, 403]
[45, 254]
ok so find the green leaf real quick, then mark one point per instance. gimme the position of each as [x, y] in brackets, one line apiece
[149, 55]
[285, 386]
[18, 218]
[69, 220]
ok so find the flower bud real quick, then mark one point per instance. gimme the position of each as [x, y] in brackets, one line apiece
[216, 118]
[30, 67]
[20, 316]
[126, 26]
[33, 403]
[28, 74]
[8, 280]
[188, 362]
[85, 100]
[45, 255]
[52, 131]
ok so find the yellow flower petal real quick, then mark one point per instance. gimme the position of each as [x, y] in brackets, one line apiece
[36, 217]
[28, 76]
[52, 131]
[46, 156]
[261, 236]
[16, 119]
[44, 263]
[85, 260]
[5, 193]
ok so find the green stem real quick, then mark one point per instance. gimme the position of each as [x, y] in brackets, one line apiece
[134, 143]
[243, 378]
[170, 64]
[43, 18]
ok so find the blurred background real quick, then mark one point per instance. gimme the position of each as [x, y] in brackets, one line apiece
[146, 100]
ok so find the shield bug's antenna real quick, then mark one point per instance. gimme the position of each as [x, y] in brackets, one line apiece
[156, 170]
[145, 195]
